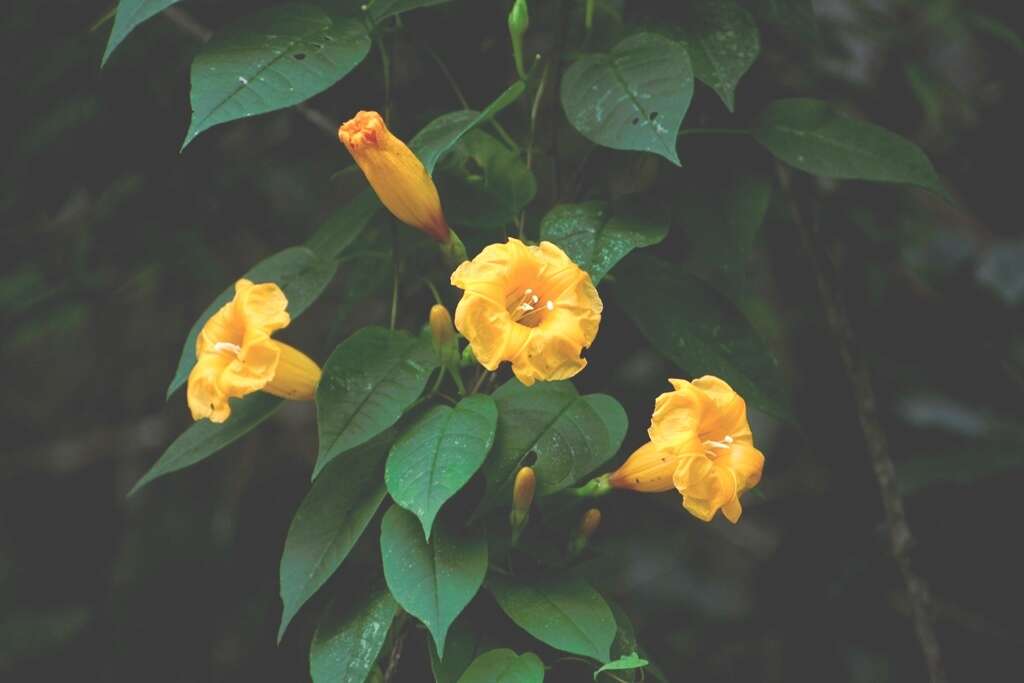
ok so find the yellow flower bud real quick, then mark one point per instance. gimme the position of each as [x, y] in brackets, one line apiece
[529, 305]
[523, 490]
[701, 445]
[589, 522]
[395, 173]
[442, 331]
[235, 355]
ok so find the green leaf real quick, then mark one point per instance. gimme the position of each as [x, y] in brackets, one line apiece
[131, 13]
[485, 184]
[367, 383]
[721, 215]
[204, 438]
[344, 225]
[597, 236]
[273, 59]
[504, 666]
[815, 137]
[301, 274]
[350, 635]
[723, 43]
[432, 581]
[634, 97]
[438, 455]
[699, 330]
[630, 661]
[441, 134]
[564, 612]
[571, 435]
[329, 521]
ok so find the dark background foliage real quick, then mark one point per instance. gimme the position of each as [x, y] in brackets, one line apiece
[114, 242]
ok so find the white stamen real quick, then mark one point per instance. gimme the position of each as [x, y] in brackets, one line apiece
[718, 444]
[227, 346]
[728, 438]
[526, 307]
[529, 291]
[550, 305]
[534, 299]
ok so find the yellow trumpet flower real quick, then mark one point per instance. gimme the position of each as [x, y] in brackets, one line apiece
[529, 305]
[395, 173]
[701, 445]
[235, 355]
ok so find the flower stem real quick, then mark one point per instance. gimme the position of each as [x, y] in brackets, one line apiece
[596, 487]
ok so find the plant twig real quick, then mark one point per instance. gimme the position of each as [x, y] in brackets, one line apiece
[396, 649]
[187, 24]
[900, 540]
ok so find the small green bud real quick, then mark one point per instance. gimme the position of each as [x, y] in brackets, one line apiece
[518, 23]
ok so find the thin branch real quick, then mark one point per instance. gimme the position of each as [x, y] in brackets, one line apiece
[900, 540]
[187, 24]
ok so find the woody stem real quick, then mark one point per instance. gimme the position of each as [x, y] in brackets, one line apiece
[859, 377]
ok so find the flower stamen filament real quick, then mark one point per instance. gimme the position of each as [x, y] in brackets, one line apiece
[233, 349]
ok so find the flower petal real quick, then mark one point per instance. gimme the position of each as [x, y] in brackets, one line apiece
[677, 415]
[704, 485]
[648, 470]
[746, 463]
[204, 395]
[726, 414]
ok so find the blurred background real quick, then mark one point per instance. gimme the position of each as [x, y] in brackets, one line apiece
[114, 242]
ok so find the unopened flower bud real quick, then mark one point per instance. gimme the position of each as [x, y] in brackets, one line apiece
[395, 173]
[442, 331]
[522, 496]
[518, 23]
[589, 522]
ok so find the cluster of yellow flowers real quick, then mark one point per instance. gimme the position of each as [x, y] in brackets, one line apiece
[528, 305]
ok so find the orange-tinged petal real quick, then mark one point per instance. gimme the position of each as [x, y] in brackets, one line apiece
[704, 485]
[677, 415]
[746, 462]
[395, 173]
[235, 355]
[529, 305]
[205, 398]
[727, 414]
[647, 470]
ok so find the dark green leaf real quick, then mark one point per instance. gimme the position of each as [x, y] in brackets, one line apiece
[131, 13]
[632, 98]
[597, 237]
[623, 663]
[721, 215]
[815, 137]
[504, 666]
[723, 42]
[432, 581]
[699, 330]
[350, 635]
[204, 438]
[300, 273]
[273, 59]
[571, 435]
[438, 136]
[344, 225]
[367, 383]
[564, 612]
[438, 455]
[484, 184]
[330, 520]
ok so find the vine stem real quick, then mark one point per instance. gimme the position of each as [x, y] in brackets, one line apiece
[713, 131]
[859, 377]
[396, 649]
